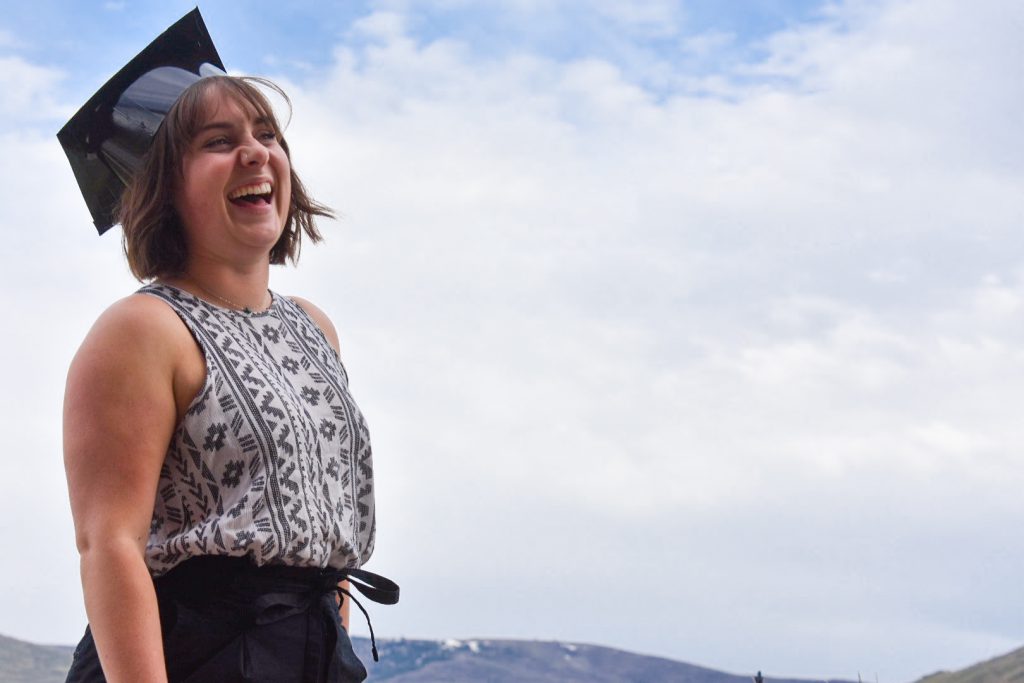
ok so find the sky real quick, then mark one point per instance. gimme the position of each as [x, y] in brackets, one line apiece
[694, 329]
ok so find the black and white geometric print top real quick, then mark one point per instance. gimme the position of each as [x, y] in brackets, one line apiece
[272, 459]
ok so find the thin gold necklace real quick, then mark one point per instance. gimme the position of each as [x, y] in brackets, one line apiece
[232, 304]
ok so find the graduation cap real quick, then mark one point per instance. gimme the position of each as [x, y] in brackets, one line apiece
[109, 136]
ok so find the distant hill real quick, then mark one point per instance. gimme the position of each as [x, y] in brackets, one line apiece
[501, 661]
[22, 662]
[451, 661]
[528, 661]
[1008, 668]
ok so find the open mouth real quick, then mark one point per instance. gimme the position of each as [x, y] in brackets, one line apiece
[255, 194]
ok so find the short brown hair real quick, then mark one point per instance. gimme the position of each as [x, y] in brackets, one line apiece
[152, 236]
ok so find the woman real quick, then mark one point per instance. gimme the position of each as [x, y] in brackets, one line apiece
[219, 472]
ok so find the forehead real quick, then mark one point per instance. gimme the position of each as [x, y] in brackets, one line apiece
[219, 104]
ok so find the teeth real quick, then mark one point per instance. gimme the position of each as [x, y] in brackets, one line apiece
[258, 188]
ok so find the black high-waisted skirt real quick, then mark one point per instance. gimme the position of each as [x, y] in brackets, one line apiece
[224, 620]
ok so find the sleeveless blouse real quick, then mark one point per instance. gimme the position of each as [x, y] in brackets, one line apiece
[272, 459]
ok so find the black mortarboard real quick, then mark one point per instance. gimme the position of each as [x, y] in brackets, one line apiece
[108, 137]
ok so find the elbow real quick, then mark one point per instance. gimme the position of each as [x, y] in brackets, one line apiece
[105, 561]
[92, 545]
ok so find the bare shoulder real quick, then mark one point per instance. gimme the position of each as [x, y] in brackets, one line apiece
[136, 324]
[321, 319]
[139, 313]
[134, 343]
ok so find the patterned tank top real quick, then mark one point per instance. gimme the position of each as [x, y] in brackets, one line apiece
[272, 458]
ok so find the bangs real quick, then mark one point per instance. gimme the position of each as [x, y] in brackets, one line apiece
[192, 109]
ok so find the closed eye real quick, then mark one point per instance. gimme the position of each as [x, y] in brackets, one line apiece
[219, 141]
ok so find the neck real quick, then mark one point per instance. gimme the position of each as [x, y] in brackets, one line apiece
[241, 288]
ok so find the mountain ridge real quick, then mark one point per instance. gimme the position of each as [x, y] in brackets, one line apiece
[496, 660]
[452, 661]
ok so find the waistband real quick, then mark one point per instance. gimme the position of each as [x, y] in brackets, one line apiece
[277, 590]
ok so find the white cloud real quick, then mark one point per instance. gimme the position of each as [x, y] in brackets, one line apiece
[28, 89]
[707, 43]
[381, 25]
[652, 308]
[650, 17]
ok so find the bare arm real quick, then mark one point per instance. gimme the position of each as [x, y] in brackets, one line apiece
[325, 324]
[119, 413]
[344, 609]
[321, 319]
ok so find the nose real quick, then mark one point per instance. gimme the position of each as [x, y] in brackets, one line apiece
[253, 153]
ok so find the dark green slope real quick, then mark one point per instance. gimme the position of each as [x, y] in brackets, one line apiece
[1008, 668]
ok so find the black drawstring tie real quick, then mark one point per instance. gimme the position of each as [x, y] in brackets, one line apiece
[275, 593]
[371, 586]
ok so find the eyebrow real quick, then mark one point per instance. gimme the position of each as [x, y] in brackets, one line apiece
[225, 125]
[215, 125]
